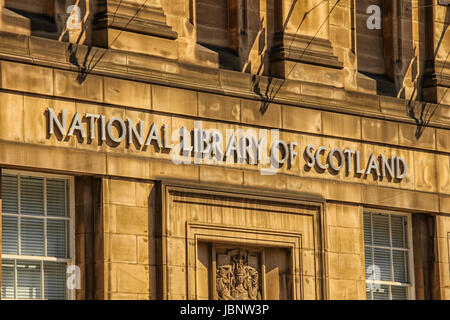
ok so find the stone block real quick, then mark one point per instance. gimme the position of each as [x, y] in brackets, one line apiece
[380, 131]
[130, 167]
[333, 265]
[425, 172]
[343, 191]
[407, 137]
[67, 85]
[443, 140]
[177, 280]
[142, 43]
[219, 175]
[258, 180]
[127, 93]
[11, 117]
[143, 194]
[401, 199]
[444, 204]
[343, 289]
[345, 240]
[172, 100]
[341, 215]
[120, 192]
[443, 173]
[27, 78]
[341, 125]
[132, 220]
[305, 185]
[35, 121]
[219, 107]
[351, 267]
[162, 169]
[302, 120]
[177, 252]
[132, 278]
[53, 159]
[143, 250]
[392, 106]
[257, 113]
[123, 248]
[123, 296]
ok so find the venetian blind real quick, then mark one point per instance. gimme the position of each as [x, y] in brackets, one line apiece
[36, 222]
[55, 280]
[387, 254]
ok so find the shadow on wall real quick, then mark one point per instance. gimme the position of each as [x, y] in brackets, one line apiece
[268, 91]
[426, 111]
[49, 18]
[63, 20]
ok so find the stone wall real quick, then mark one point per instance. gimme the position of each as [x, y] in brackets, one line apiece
[129, 245]
[166, 75]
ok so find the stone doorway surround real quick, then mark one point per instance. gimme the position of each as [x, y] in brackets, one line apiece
[275, 241]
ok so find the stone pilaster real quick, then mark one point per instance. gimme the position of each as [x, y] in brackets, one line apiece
[137, 26]
[436, 82]
[302, 36]
[13, 22]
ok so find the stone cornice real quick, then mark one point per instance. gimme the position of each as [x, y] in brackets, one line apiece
[156, 70]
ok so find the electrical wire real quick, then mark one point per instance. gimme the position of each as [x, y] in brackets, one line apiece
[115, 12]
[89, 69]
[283, 81]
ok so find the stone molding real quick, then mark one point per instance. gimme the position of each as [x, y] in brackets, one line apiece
[306, 246]
[150, 20]
[304, 49]
[158, 70]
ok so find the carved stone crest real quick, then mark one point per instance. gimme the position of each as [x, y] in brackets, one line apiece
[237, 280]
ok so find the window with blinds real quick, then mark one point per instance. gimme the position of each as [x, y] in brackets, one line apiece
[36, 225]
[387, 256]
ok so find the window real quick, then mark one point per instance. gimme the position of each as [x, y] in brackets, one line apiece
[36, 231]
[388, 256]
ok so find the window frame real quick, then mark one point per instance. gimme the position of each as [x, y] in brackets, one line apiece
[411, 292]
[71, 293]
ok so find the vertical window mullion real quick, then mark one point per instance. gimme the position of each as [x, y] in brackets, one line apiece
[42, 280]
[67, 199]
[371, 251]
[15, 278]
[45, 217]
[406, 239]
[391, 262]
[406, 245]
[19, 242]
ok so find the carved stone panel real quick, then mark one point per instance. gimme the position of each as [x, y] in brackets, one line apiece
[238, 274]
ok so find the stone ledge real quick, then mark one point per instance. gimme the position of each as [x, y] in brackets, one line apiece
[158, 70]
[150, 21]
[304, 49]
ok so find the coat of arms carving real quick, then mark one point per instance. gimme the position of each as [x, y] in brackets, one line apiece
[236, 279]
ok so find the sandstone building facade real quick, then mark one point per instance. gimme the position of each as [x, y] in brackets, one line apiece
[225, 149]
